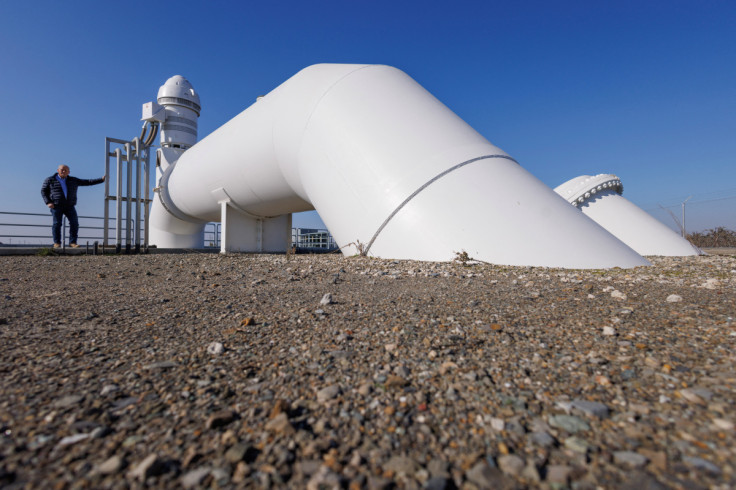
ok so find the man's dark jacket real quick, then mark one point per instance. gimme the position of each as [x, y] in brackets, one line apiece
[51, 190]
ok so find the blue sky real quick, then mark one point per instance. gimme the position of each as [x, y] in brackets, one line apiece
[645, 90]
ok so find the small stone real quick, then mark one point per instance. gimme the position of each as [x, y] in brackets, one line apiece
[326, 299]
[402, 464]
[692, 396]
[511, 464]
[542, 439]
[558, 474]
[657, 459]
[215, 348]
[390, 347]
[280, 425]
[220, 419]
[107, 389]
[702, 464]
[629, 459]
[568, 423]
[324, 479]
[195, 477]
[438, 483]
[531, 473]
[237, 452]
[328, 393]
[609, 331]
[711, 283]
[674, 298]
[590, 408]
[68, 401]
[497, 424]
[160, 365]
[242, 470]
[618, 294]
[110, 466]
[375, 483]
[438, 467]
[577, 444]
[69, 440]
[393, 381]
[150, 466]
[486, 477]
[651, 362]
[723, 424]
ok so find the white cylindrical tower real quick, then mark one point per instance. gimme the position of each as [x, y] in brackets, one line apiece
[181, 102]
[599, 197]
[177, 110]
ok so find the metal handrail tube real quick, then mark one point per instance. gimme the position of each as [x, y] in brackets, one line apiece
[128, 203]
[119, 201]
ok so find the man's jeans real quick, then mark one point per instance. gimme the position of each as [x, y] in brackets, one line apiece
[71, 214]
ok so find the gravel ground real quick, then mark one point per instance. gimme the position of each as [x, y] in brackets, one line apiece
[192, 370]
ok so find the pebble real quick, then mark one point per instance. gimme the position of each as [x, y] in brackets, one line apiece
[69, 440]
[220, 419]
[484, 476]
[237, 452]
[326, 299]
[110, 466]
[542, 439]
[280, 425]
[328, 393]
[68, 401]
[150, 466]
[596, 409]
[194, 478]
[568, 423]
[609, 331]
[629, 459]
[558, 474]
[702, 464]
[723, 424]
[577, 444]
[215, 348]
[674, 298]
[511, 464]
[618, 294]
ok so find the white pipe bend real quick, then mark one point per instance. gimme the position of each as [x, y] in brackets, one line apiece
[386, 163]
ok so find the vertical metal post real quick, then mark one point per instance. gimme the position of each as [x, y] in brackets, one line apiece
[147, 164]
[223, 221]
[119, 200]
[106, 219]
[128, 203]
[137, 196]
[684, 232]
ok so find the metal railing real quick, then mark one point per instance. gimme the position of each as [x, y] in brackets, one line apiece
[91, 229]
[11, 227]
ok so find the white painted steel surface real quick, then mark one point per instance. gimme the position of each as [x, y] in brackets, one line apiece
[182, 107]
[391, 170]
[599, 197]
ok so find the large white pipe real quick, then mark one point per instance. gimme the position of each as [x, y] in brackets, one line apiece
[391, 171]
[600, 198]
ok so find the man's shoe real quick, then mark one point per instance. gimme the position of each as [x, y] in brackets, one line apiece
[74, 245]
[57, 245]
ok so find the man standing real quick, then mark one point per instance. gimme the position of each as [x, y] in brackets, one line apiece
[59, 192]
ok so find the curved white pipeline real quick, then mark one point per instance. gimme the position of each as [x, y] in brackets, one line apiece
[389, 168]
[599, 197]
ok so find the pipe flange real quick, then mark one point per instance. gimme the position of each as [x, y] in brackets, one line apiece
[581, 189]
